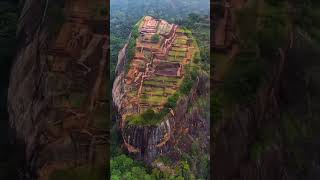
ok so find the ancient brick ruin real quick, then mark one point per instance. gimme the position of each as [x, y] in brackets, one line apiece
[157, 68]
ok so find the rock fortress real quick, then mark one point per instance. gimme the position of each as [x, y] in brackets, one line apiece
[155, 72]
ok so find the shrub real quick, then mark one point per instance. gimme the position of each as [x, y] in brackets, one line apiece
[155, 38]
[196, 58]
[172, 100]
[148, 115]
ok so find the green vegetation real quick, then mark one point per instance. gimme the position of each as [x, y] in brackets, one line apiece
[149, 117]
[189, 79]
[196, 57]
[177, 54]
[165, 78]
[175, 58]
[198, 26]
[264, 31]
[260, 37]
[180, 41]
[81, 173]
[124, 15]
[244, 78]
[125, 168]
[198, 161]
[116, 44]
[131, 49]
[155, 38]
[179, 49]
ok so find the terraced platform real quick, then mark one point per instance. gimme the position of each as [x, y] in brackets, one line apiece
[158, 67]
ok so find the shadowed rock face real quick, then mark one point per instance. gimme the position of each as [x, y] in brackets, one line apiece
[56, 88]
[252, 140]
[147, 143]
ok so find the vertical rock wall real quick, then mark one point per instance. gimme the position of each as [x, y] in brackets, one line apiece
[57, 88]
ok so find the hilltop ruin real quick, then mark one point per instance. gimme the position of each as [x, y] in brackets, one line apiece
[163, 52]
[157, 67]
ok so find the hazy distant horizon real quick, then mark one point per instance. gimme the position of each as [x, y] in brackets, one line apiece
[171, 8]
[125, 13]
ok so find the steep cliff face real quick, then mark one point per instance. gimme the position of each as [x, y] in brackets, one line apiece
[272, 138]
[142, 142]
[56, 93]
[273, 135]
[147, 143]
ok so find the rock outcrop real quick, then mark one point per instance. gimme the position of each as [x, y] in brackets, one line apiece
[148, 142]
[57, 87]
[269, 138]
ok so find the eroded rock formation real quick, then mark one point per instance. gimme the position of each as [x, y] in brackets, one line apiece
[57, 87]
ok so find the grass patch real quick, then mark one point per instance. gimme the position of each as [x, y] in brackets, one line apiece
[165, 78]
[182, 49]
[174, 59]
[152, 99]
[180, 42]
[177, 54]
[157, 91]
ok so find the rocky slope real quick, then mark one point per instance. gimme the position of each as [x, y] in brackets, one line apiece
[57, 87]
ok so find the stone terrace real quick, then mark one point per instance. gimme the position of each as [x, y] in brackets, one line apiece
[157, 69]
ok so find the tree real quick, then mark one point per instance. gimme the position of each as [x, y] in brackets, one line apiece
[123, 167]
